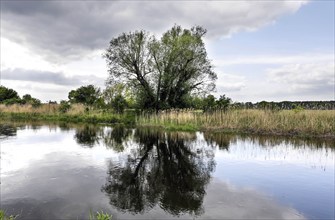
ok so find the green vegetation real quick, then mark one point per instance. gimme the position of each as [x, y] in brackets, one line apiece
[4, 216]
[9, 97]
[87, 95]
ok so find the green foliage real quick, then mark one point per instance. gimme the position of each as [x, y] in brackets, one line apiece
[119, 103]
[87, 95]
[10, 97]
[64, 106]
[223, 102]
[6, 93]
[35, 102]
[27, 97]
[209, 103]
[163, 73]
[118, 97]
[13, 101]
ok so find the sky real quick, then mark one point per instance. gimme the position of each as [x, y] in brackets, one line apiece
[261, 50]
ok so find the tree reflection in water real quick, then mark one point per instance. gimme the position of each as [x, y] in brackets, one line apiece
[164, 169]
[87, 135]
[116, 137]
[7, 130]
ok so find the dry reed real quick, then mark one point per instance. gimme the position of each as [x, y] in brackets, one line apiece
[288, 122]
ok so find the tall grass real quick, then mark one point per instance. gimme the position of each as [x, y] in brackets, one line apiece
[285, 122]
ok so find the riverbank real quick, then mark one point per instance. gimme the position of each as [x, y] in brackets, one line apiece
[303, 123]
[76, 114]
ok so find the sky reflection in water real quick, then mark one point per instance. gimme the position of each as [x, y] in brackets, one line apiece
[64, 171]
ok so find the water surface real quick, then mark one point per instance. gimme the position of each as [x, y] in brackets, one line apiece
[62, 171]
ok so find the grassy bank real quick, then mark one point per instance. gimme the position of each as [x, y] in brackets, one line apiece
[320, 123]
[76, 114]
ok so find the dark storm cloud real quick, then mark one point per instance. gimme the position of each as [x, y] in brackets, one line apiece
[56, 78]
[64, 30]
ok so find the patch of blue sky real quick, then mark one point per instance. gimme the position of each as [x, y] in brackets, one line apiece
[309, 30]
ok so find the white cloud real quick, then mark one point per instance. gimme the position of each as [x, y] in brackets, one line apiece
[44, 92]
[305, 77]
[229, 83]
[49, 77]
[274, 59]
[14, 55]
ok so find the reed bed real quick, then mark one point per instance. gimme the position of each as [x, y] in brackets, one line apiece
[285, 122]
[43, 109]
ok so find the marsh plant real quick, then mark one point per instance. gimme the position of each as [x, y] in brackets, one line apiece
[4, 216]
[100, 216]
[289, 122]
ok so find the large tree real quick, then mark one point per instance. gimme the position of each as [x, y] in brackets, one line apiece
[162, 72]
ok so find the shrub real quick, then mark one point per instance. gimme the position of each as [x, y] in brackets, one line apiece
[64, 106]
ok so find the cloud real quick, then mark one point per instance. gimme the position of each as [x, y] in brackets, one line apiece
[65, 30]
[56, 78]
[274, 59]
[229, 83]
[305, 78]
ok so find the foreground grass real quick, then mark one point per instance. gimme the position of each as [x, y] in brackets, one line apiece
[320, 123]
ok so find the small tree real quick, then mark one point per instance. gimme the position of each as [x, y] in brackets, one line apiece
[209, 103]
[223, 102]
[86, 95]
[35, 102]
[64, 106]
[119, 103]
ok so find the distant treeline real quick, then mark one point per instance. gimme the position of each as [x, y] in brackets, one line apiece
[118, 98]
[286, 105]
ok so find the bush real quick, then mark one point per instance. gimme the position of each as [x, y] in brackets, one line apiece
[119, 103]
[35, 103]
[64, 106]
[13, 101]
